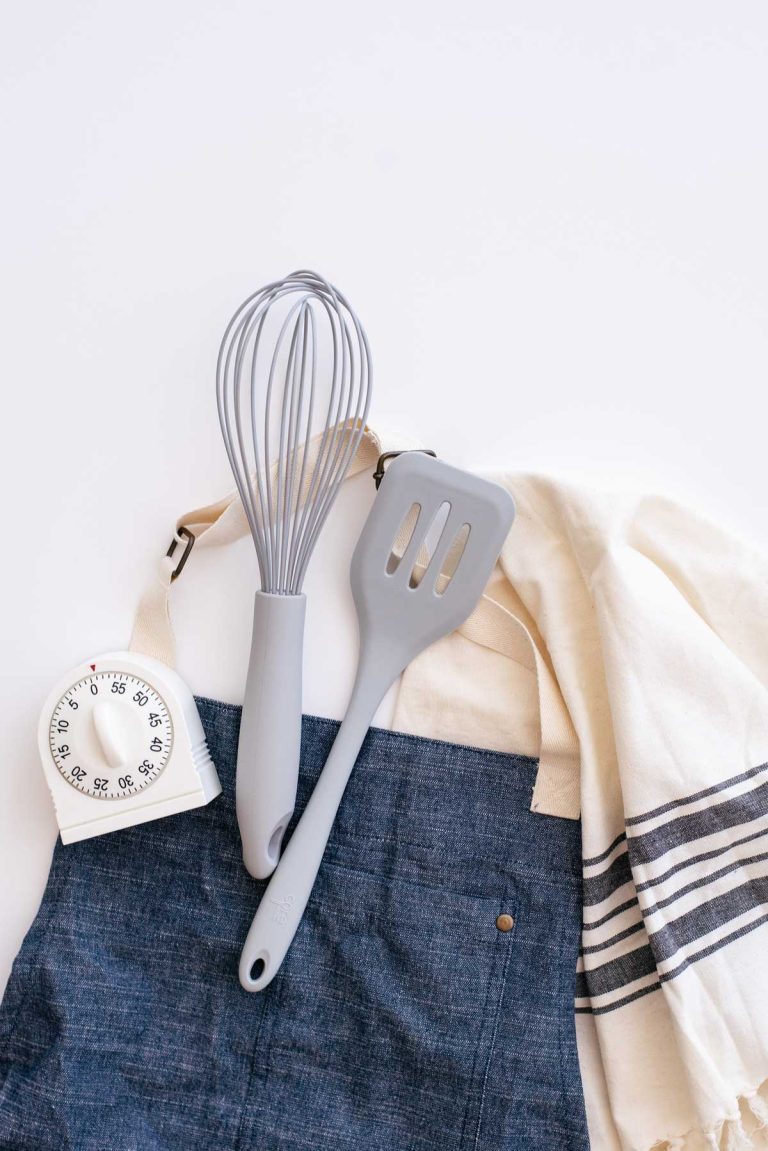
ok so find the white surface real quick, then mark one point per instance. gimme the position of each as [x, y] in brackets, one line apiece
[551, 219]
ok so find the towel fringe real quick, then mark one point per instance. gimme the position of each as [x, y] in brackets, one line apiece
[758, 1107]
[747, 1130]
[734, 1137]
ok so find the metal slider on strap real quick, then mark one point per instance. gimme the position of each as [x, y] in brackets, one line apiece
[384, 459]
[182, 533]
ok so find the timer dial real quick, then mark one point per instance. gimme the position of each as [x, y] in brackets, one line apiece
[111, 735]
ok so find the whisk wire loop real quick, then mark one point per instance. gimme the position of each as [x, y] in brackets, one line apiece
[294, 367]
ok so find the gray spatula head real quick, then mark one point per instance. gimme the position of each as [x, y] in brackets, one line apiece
[417, 572]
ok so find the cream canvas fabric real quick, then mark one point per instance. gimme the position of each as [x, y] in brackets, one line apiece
[624, 642]
[655, 625]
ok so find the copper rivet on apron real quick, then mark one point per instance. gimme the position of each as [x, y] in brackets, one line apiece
[505, 923]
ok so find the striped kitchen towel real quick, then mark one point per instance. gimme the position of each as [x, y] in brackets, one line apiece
[653, 625]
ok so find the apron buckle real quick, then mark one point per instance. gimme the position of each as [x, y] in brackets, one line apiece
[384, 459]
[186, 534]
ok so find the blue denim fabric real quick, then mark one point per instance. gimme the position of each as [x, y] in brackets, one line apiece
[402, 1020]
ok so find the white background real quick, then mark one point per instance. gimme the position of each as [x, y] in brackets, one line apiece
[551, 218]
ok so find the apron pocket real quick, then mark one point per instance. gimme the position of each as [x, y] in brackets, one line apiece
[382, 1017]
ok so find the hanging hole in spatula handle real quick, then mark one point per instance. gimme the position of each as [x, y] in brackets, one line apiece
[252, 977]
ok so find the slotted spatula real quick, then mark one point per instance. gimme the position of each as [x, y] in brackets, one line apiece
[404, 603]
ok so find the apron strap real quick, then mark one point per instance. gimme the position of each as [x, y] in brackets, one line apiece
[557, 790]
[217, 525]
[491, 625]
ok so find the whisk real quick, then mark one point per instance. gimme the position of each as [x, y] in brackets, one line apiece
[293, 388]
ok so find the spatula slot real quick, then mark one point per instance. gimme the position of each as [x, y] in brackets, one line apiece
[429, 544]
[452, 560]
[403, 537]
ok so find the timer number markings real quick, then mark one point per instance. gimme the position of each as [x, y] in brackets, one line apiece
[111, 716]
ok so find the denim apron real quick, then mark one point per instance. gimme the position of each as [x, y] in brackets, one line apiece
[426, 1003]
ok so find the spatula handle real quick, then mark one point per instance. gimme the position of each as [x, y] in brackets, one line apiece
[283, 903]
[270, 730]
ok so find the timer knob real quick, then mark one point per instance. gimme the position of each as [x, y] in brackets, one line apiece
[111, 734]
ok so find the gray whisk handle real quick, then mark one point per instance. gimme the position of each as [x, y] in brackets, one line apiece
[270, 730]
